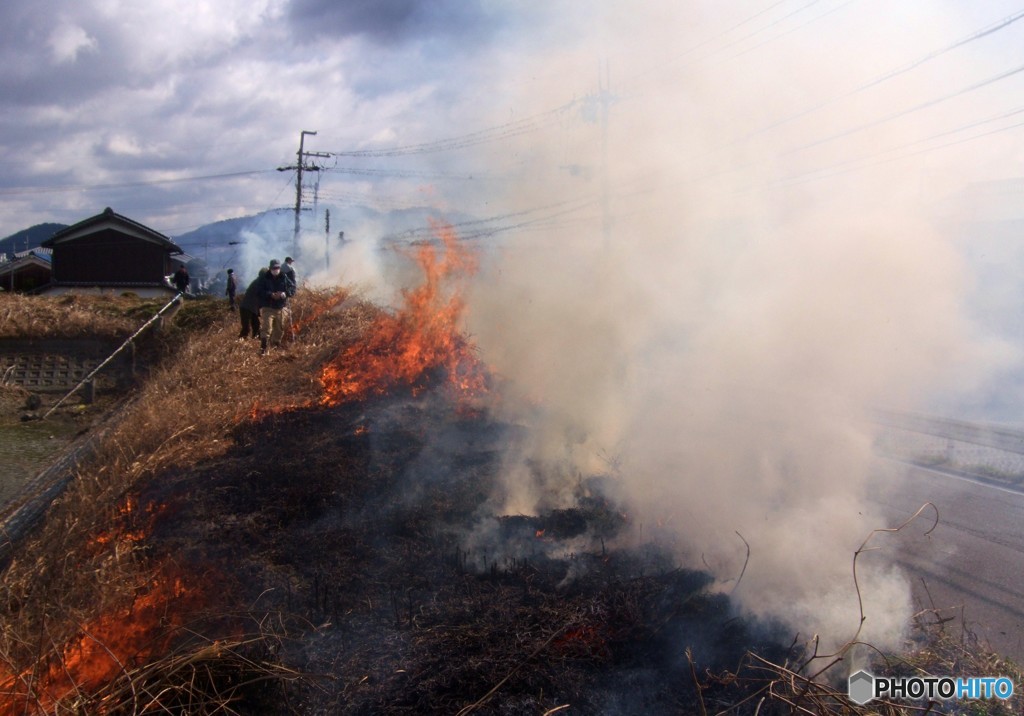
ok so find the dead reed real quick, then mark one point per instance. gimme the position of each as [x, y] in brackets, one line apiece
[73, 315]
[89, 558]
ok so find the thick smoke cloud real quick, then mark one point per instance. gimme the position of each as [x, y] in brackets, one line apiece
[719, 349]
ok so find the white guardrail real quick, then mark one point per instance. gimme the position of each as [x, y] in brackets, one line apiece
[993, 436]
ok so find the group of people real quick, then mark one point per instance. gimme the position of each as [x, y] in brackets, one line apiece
[263, 310]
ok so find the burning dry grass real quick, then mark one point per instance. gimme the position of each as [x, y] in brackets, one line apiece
[88, 577]
[236, 547]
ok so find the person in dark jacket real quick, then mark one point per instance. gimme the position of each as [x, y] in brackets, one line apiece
[273, 295]
[181, 279]
[249, 308]
[230, 288]
[289, 273]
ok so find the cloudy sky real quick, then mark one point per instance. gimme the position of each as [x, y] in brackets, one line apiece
[722, 231]
[179, 114]
[132, 105]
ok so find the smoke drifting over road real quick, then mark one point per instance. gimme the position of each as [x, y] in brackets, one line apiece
[714, 261]
[718, 350]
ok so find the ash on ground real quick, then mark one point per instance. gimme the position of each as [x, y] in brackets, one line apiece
[342, 534]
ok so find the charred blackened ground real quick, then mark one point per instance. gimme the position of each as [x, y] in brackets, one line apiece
[345, 534]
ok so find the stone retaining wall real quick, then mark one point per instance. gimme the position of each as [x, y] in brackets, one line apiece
[59, 365]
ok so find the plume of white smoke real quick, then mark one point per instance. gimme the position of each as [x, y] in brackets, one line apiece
[719, 348]
[270, 238]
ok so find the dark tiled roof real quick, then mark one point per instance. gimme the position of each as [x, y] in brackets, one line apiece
[109, 214]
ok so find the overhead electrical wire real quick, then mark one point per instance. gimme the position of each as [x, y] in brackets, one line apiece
[530, 124]
[478, 228]
[807, 176]
[909, 110]
[864, 162]
[523, 126]
[410, 173]
[723, 33]
[126, 185]
[896, 72]
[813, 20]
[535, 122]
[770, 25]
[900, 70]
[491, 134]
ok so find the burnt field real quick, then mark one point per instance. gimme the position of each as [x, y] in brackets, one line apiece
[359, 541]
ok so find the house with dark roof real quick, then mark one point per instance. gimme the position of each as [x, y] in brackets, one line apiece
[26, 271]
[111, 253]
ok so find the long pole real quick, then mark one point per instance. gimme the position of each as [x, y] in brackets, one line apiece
[298, 189]
[132, 337]
[605, 94]
[327, 238]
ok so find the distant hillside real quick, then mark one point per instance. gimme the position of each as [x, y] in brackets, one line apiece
[271, 233]
[221, 234]
[29, 238]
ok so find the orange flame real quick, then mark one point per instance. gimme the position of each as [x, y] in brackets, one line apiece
[423, 336]
[126, 526]
[297, 326]
[104, 647]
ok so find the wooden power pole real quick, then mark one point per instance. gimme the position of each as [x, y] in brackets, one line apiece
[299, 167]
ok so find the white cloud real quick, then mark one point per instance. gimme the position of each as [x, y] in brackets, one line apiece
[123, 145]
[68, 40]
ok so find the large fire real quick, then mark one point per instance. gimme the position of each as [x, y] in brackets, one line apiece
[406, 348]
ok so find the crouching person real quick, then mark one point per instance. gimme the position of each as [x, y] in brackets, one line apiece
[273, 293]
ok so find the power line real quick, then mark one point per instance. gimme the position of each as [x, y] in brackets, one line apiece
[903, 69]
[412, 174]
[855, 164]
[909, 110]
[126, 185]
[499, 132]
[478, 228]
[676, 58]
[794, 29]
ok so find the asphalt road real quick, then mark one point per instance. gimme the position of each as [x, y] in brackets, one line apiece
[971, 566]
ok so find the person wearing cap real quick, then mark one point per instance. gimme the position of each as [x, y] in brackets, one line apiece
[289, 273]
[230, 289]
[273, 294]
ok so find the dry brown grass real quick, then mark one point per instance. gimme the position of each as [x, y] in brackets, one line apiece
[73, 315]
[77, 566]
[87, 562]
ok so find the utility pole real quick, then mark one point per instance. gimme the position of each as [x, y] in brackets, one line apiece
[327, 237]
[299, 167]
[605, 98]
